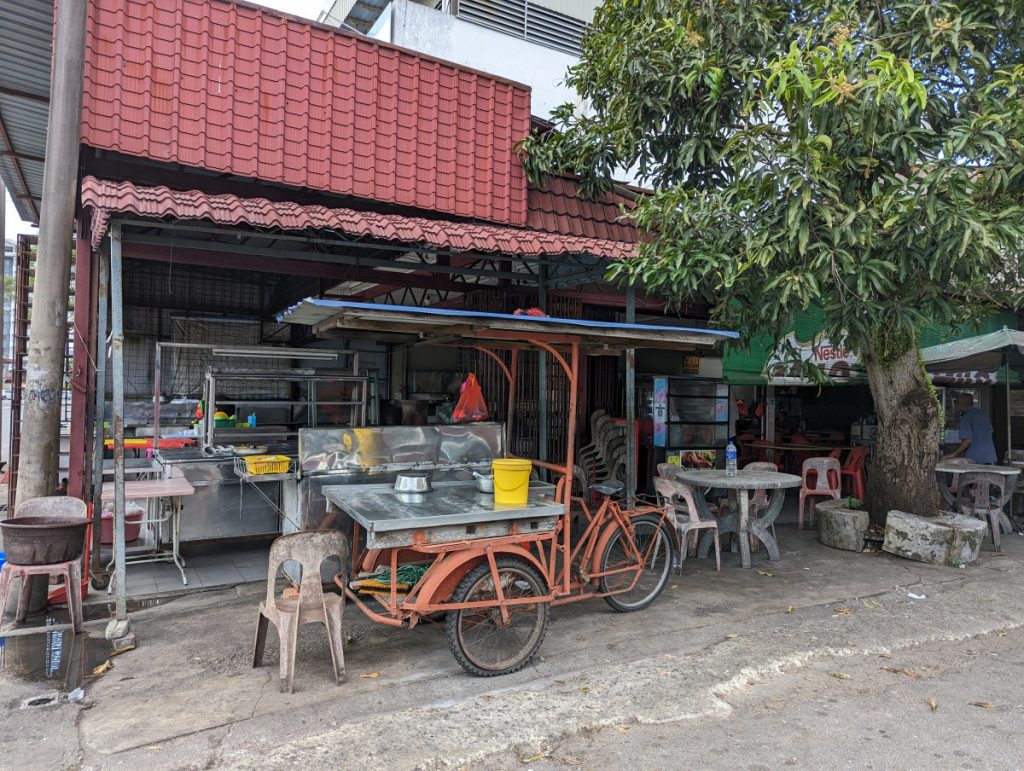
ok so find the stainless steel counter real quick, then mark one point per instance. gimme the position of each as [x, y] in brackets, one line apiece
[452, 511]
[222, 507]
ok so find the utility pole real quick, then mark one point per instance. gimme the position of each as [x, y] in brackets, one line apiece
[3, 303]
[44, 375]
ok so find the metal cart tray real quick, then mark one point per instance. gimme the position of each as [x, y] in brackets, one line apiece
[453, 511]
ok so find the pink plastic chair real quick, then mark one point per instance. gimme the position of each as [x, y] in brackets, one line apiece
[683, 512]
[821, 477]
[853, 469]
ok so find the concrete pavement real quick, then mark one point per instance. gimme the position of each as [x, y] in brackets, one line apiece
[704, 658]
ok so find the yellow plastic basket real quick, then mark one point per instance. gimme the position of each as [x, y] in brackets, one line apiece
[267, 464]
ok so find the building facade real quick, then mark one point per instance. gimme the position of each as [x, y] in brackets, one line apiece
[533, 43]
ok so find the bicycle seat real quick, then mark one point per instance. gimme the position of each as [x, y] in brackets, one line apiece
[608, 487]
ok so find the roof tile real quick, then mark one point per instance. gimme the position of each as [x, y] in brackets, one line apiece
[242, 90]
[554, 207]
[107, 198]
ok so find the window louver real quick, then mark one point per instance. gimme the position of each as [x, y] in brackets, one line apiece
[526, 20]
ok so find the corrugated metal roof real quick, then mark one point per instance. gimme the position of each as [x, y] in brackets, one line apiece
[555, 207]
[26, 41]
[219, 85]
[162, 202]
[461, 323]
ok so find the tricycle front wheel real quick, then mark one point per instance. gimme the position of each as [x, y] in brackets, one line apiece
[480, 640]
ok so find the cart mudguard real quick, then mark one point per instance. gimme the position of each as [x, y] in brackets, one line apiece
[445, 574]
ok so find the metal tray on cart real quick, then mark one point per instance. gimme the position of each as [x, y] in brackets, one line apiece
[453, 511]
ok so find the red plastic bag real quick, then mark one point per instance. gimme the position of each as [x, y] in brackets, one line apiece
[471, 407]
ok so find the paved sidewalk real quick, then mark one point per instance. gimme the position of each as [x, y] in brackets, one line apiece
[187, 696]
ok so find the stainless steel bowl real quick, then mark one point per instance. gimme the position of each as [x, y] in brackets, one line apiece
[413, 482]
[484, 483]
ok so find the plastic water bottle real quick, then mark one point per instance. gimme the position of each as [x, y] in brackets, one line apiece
[730, 459]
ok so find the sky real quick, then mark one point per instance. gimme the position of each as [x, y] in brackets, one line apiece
[310, 9]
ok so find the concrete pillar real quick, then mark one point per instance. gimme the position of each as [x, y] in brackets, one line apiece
[40, 433]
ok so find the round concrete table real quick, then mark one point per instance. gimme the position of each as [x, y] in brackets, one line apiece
[744, 483]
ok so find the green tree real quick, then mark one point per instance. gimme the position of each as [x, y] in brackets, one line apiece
[865, 157]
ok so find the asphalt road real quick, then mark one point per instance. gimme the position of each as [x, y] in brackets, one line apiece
[821, 660]
[946, 705]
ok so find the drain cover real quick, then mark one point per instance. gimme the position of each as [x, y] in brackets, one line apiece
[48, 699]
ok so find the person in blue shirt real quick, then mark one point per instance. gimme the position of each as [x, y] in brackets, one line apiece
[975, 433]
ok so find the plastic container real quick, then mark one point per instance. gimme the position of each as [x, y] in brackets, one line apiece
[511, 480]
[132, 526]
[267, 464]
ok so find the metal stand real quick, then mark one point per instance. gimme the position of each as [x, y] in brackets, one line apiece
[173, 515]
[254, 481]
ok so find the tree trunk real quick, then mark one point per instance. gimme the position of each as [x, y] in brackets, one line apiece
[901, 474]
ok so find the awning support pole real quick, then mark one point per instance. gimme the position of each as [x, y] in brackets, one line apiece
[513, 376]
[631, 448]
[100, 397]
[118, 626]
[1009, 435]
[542, 373]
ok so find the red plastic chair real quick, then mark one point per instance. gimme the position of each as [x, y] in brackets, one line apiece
[821, 477]
[746, 451]
[761, 447]
[837, 454]
[853, 469]
[797, 457]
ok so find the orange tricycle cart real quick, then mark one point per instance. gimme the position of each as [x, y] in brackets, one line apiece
[494, 569]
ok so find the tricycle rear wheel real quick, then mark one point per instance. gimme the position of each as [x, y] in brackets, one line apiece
[483, 644]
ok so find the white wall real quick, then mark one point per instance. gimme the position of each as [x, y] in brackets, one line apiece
[448, 37]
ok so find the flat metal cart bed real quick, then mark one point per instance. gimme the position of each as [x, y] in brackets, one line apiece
[452, 511]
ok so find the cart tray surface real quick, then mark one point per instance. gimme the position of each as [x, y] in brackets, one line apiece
[390, 518]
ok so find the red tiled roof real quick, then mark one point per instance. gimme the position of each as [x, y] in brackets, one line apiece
[106, 198]
[218, 85]
[555, 208]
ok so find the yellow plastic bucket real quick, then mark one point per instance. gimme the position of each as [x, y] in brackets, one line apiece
[511, 480]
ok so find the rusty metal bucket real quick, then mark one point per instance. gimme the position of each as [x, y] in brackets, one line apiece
[45, 531]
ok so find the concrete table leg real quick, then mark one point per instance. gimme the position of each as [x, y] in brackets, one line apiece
[744, 500]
